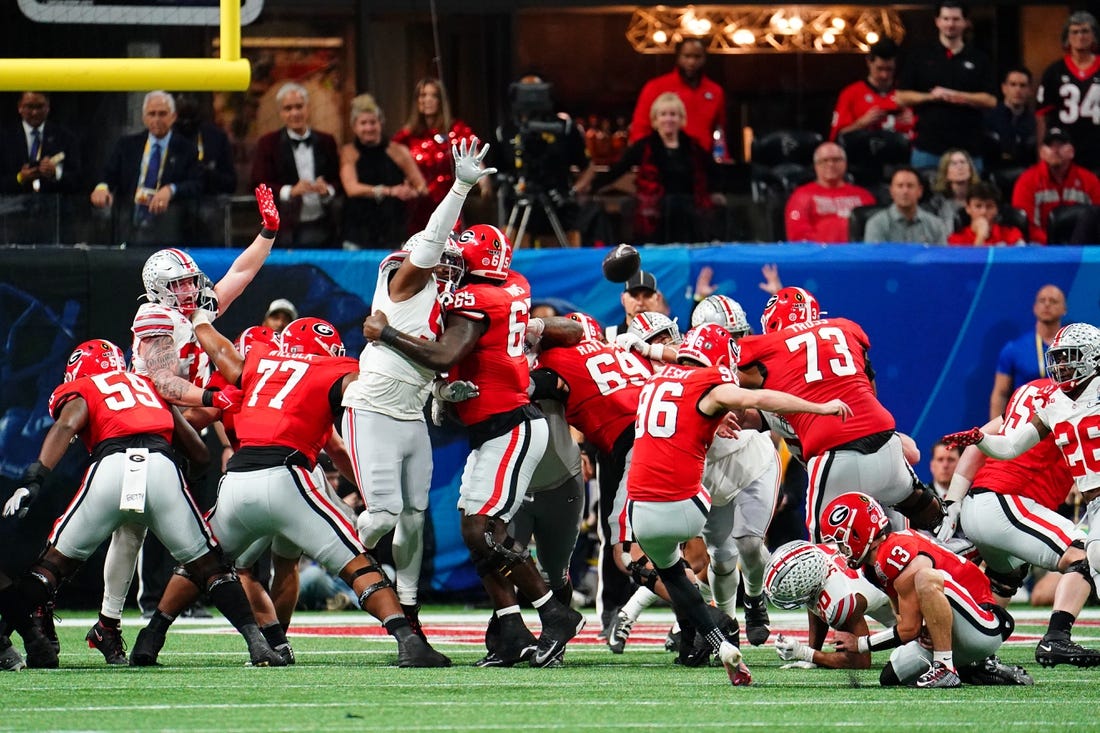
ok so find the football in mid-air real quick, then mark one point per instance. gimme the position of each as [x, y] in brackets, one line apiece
[621, 263]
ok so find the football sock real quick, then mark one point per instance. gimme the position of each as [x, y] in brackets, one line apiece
[686, 599]
[398, 627]
[108, 622]
[229, 598]
[507, 610]
[1061, 623]
[642, 599]
[725, 579]
[944, 657]
[564, 594]
[160, 622]
[119, 566]
[408, 553]
[543, 600]
[274, 634]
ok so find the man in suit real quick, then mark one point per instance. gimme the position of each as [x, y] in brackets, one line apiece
[219, 175]
[154, 175]
[302, 167]
[38, 161]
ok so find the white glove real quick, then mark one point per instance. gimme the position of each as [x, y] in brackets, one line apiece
[15, 504]
[950, 522]
[799, 665]
[439, 414]
[468, 159]
[791, 650]
[457, 391]
[632, 342]
[535, 327]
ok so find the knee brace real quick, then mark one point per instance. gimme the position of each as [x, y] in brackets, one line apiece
[503, 556]
[922, 508]
[1006, 584]
[214, 579]
[372, 566]
[643, 573]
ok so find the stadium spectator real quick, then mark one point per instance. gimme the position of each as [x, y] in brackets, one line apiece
[1069, 90]
[640, 295]
[942, 466]
[983, 229]
[871, 103]
[379, 178]
[147, 172]
[301, 165]
[429, 133]
[38, 157]
[703, 99]
[1022, 359]
[1056, 180]
[673, 180]
[904, 220]
[1013, 120]
[954, 177]
[818, 211]
[279, 314]
[950, 83]
[219, 175]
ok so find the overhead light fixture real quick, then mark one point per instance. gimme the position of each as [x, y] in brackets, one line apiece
[726, 29]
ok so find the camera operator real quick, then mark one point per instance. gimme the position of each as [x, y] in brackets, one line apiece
[537, 150]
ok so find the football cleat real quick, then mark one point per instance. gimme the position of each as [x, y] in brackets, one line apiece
[40, 651]
[286, 652]
[756, 620]
[1053, 650]
[492, 660]
[42, 618]
[673, 638]
[412, 615]
[992, 671]
[938, 675]
[260, 653]
[619, 632]
[415, 652]
[560, 625]
[108, 640]
[510, 642]
[146, 648]
[10, 658]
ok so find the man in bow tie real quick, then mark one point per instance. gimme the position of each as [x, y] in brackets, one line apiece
[154, 178]
[302, 166]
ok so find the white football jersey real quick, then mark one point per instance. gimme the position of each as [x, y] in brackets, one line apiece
[1076, 427]
[734, 463]
[154, 319]
[389, 382]
[836, 600]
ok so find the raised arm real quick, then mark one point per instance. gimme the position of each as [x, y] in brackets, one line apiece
[250, 261]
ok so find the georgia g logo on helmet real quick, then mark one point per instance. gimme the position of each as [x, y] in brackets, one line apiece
[323, 329]
[839, 515]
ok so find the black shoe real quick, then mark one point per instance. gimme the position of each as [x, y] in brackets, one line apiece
[1053, 650]
[147, 648]
[672, 640]
[619, 632]
[513, 644]
[40, 651]
[260, 653]
[412, 615]
[42, 618]
[559, 626]
[756, 620]
[992, 671]
[285, 651]
[108, 640]
[10, 658]
[492, 660]
[415, 652]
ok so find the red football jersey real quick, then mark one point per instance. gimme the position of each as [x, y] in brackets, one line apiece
[286, 400]
[858, 98]
[604, 384]
[1040, 473]
[119, 404]
[497, 365]
[820, 361]
[900, 548]
[671, 435]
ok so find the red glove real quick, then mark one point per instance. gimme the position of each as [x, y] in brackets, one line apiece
[973, 436]
[268, 210]
[228, 399]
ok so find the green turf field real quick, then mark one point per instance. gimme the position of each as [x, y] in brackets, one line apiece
[343, 681]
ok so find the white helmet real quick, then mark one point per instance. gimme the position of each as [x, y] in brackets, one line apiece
[795, 573]
[649, 325]
[172, 279]
[1074, 355]
[448, 272]
[723, 310]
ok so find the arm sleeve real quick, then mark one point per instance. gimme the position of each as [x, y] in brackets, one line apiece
[1011, 444]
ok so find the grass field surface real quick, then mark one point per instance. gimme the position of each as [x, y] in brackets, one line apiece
[344, 680]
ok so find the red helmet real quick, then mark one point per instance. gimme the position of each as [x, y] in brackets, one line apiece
[710, 345]
[312, 336]
[97, 356]
[486, 252]
[256, 336]
[593, 331]
[852, 522]
[788, 307]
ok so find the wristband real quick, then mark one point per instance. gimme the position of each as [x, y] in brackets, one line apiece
[268, 233]
[389, 335]
[208, 398]
[877, 642]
